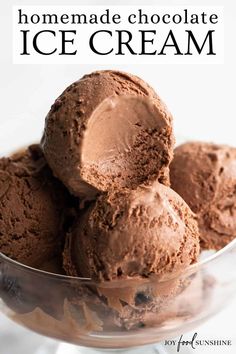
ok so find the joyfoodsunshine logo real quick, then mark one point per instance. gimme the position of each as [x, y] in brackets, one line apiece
[195, 342]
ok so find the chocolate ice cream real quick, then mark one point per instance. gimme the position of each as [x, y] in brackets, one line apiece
[150, 230]
[108, 130]
[89, 313]
[174, 300]
[204, 174]
[33, 205]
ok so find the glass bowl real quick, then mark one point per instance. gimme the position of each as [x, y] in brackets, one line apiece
[111, 316]
[118, 314]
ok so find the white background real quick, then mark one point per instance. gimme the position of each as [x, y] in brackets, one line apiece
[201, 97]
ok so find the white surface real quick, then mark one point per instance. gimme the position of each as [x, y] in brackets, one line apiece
[201, 98]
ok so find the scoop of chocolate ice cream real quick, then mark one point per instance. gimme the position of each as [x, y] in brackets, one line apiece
[150, 230]
[33, 205]
[108, 130]
[204, 174]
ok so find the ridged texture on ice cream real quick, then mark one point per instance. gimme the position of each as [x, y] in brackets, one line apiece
[108, 130]
[32, 208]
[150, 230]
[204, 174]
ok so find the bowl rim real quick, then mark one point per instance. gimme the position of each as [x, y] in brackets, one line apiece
[189, 270]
